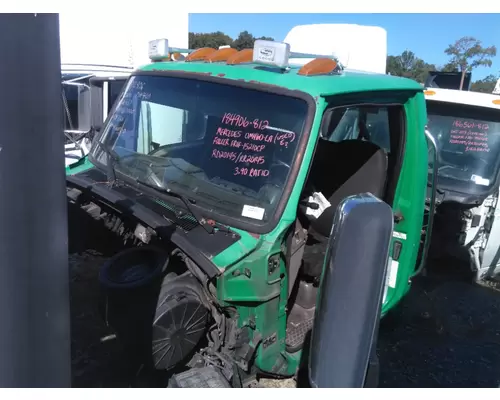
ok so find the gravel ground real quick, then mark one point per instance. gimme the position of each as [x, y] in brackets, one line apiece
[95, 362]
[444, 334]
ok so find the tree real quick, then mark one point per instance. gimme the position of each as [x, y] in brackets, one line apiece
[245, 40]
[468, 53]
[216, 39]
[450, 67]
[485, 85]
[408, 65]
[213, 39]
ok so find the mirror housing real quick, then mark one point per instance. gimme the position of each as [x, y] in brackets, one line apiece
[343, 340]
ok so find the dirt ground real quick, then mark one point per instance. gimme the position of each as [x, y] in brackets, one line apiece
[444, 334]
[95, 361]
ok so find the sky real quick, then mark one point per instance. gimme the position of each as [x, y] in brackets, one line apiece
[124, 43]
[427, 35]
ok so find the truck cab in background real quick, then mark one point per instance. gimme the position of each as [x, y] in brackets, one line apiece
[496, 89]
[466, 127]
[86, 104]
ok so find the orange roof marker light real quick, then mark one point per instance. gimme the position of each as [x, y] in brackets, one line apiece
[497, 102]
[320, 66]
[221, 55]
[429, 92]
[242, 56]
[200, 54]
[177, 57]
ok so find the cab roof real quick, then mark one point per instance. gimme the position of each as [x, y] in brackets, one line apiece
[96, 70]
[320, 85]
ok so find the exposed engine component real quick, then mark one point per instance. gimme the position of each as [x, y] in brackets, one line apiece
[449, 236]
[155, 305]
[130, 283]
[463, 231]
[180, 320]
[116, 225]
[205, 377]
[129, 233]
[162, 306]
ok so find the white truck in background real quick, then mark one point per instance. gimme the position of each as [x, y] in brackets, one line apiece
[496, 89]
[358, 47]
[466, 127]
[97, 60]
[86, 103]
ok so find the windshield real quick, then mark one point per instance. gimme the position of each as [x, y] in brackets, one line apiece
[468, 139]
[230, 149]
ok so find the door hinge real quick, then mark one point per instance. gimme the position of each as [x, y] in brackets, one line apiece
[398, 217]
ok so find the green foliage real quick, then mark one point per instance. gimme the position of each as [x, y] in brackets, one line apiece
[450, 67]
[216, 39]
[465, 55]
[485, 85]
[468, 53]
[244, 40]
[409, 65]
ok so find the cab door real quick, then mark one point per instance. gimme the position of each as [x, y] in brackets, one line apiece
[430, 202]
[395, 122]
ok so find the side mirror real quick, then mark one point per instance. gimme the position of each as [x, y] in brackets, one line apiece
[349, 303]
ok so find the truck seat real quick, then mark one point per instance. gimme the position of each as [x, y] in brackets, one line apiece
[346, 168]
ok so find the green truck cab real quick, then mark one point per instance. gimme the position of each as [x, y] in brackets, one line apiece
[227, 167]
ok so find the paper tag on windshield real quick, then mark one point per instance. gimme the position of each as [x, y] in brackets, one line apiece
[253, 212]
[322, 203]
[478, 180]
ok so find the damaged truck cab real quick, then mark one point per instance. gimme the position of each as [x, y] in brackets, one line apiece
[233, 163]
[466, 127]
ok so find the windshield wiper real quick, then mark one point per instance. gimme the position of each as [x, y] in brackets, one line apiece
[187, 202]
[462, 168]
[113, 159]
